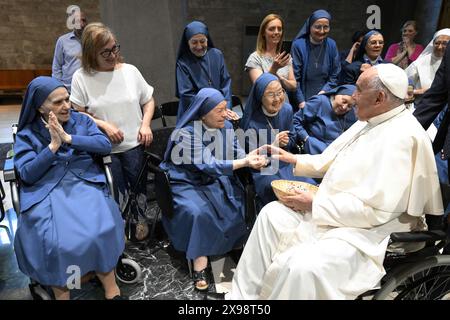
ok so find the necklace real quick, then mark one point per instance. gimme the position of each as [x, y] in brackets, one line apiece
[207, 71]
[317, 58]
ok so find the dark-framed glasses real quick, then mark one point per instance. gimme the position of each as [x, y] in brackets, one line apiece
[107, 52]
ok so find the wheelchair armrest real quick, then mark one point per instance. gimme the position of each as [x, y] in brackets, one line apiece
[418, 236]
[8, 171]
[9, 175]
[154, 158]
[107, 161]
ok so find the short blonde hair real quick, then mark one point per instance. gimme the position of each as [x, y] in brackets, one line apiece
[261, 41]
[95, 36]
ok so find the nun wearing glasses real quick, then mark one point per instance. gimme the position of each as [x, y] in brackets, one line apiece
[267, 119]
[315, 58]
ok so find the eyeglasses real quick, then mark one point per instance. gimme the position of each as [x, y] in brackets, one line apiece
[272, 95]
[107, 52]
[439, 43]
[320, 27]
[375, 42]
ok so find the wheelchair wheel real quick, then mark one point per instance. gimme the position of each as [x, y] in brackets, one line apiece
[425, 280]
[128, 271]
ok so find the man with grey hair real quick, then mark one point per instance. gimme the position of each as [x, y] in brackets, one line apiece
[379, 177]
[67, 56]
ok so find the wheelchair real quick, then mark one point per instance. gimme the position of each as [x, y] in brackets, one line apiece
[164, 197]
[130, 208]
[127, 270]
[420, 275]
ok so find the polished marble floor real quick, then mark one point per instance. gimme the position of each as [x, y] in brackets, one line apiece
[165, 273]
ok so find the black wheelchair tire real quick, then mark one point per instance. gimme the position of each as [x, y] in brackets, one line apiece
[407, 278]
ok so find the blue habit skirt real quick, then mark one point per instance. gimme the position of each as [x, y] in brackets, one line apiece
[78, 225]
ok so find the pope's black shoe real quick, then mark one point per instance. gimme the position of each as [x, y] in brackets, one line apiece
[214, 296]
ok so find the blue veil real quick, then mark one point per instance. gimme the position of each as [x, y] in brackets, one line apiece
[37, 92]
[362, 48]
[346, 89]
[205, 100]
[193, 28]
[254, 100]
[318, 14]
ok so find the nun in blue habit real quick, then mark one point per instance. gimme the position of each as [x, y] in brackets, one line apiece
[367, 54]
[324, 118]
[267, 119]
[315, 58]
[199, 65]
[208, 199]
[67, 215]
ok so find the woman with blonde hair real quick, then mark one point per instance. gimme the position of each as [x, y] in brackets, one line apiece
[269, 56]
[119, 100]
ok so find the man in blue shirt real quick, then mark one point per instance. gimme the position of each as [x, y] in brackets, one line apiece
[67, 51]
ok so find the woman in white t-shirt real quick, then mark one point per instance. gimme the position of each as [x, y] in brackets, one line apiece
[120, 101]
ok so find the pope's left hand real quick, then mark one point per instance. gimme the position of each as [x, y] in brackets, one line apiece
[301, 202]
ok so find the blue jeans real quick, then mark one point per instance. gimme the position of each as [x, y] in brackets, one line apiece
[125, 170]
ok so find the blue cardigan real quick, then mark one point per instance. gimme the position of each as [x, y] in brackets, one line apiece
[40, 170]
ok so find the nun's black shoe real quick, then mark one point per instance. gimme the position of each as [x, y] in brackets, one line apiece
[214, 296]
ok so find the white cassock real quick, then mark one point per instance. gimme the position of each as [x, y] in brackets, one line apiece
[378, 177]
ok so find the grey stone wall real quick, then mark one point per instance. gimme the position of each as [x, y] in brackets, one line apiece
[227, 21]
[29, 30]
[148, 31]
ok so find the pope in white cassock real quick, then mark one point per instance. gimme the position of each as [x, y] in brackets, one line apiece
[379, 177]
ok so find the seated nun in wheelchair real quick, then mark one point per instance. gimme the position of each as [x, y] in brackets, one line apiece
[208, 199]
[68, 220]
[267, 119]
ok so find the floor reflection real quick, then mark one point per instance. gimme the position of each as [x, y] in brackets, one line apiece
[165, 271]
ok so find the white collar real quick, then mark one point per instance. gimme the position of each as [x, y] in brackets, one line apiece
[271, 115]
[386, 116]
[208, 128]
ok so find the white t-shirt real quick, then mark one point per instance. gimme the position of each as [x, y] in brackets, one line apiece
[256, 61]
[115, 97]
